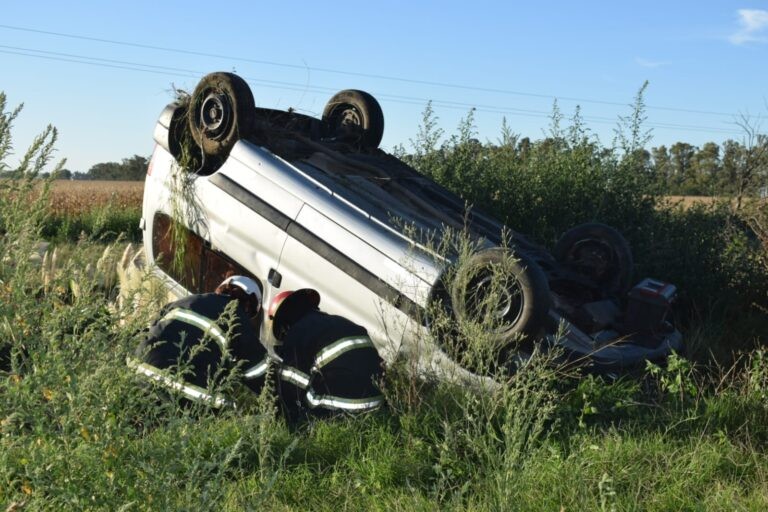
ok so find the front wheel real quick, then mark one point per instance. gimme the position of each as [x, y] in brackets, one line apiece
[354, 115]
[221, 111]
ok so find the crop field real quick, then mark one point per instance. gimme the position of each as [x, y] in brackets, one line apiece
[103, 210]
[77, 197]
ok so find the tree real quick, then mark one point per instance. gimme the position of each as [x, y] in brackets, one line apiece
[130, 169]
[707, 167]
[753, 170]
[681, 154]
[135, 168]
[64, 174]
[662, 166]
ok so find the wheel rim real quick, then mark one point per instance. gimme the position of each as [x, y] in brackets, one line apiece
[215, 115]
[346, 119]
[509, 303]
[594, 258]
[350, 117]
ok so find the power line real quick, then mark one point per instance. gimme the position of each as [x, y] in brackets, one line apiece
[188, 73]
[351, 73]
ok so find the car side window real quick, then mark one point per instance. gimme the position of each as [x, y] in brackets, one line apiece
[182, 265]
[216, 266]
[199, 268]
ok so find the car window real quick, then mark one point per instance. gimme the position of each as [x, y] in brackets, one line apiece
[201, 268]
[216, 266]
[183, 266]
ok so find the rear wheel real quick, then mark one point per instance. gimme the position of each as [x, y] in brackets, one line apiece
[598, 252]
[221, 111]
[354, 115]
[508, 295]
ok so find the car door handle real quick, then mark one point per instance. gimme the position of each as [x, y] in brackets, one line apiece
[274, 278]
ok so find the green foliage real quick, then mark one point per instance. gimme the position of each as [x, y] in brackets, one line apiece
[105, 223]
[542, 188]
[631, 135]
[730, 169]
[675, 379]
[130, 169]
[77, 432]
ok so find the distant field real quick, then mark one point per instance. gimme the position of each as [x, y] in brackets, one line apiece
[688, 201]
[691, 200]
[73, 197]
[76, 196]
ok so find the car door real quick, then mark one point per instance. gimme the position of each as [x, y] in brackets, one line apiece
[247, 214]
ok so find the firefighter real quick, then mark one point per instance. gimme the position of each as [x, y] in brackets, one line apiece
[329, 364]
[196, 341]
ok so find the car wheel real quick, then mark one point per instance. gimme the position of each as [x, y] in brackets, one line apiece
[221, 112]
[352, 114]
[178, 131]
[598, 252]
[517, 307]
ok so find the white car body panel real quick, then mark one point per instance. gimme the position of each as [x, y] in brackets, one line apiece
[334, 207]
[326, 219]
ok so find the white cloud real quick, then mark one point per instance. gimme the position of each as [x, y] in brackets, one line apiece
[647, 63]
[754, 27]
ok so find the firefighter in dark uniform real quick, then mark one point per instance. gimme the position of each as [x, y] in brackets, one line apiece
[197, 340]
[329, 364]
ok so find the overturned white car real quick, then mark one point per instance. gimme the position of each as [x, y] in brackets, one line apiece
[295, 202]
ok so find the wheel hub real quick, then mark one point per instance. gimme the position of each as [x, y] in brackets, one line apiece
[350, 118]
[510, 301]
[215, 115]
[593, 258]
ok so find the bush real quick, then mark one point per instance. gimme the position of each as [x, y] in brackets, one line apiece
[542, 188]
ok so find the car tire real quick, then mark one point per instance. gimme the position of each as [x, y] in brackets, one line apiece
[353, 114]
[178, 131]
[525, 298]
[221, 111]
[598, 252]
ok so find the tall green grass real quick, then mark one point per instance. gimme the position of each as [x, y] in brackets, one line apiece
[105, 223]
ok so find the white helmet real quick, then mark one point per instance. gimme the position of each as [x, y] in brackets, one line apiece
[246, 284]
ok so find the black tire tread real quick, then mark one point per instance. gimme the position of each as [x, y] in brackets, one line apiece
[242, 104]
[373, 117]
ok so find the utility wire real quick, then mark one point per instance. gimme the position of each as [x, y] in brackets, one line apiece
[188, 73]
[351, 73]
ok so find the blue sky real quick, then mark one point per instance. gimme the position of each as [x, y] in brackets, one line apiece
[705, 62]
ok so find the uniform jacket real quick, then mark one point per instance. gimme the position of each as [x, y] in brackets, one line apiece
[207, 335]
[329, 364]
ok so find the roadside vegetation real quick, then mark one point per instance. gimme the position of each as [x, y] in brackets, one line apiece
[95, 209]
[76, 432]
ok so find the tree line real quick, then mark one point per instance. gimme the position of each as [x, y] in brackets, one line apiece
[129, 169]
[730, 169]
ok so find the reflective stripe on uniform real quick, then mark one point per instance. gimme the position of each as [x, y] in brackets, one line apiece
[347, 404]
[339, 347]
[258, 370]
[201, 322]
[294, 376]
[195, 393]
